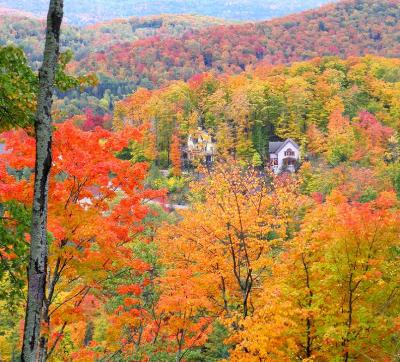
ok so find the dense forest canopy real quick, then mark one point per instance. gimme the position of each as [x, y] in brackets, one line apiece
[28, 32]
[349, 28]
[150, 52]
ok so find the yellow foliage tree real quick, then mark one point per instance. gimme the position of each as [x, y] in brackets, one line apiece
[225, 242]
[334, 294]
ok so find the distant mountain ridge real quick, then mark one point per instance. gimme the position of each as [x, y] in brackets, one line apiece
[80, 12]
[28, 31]
[348, 28]
[16, 13]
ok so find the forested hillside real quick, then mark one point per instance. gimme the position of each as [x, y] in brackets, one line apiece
[83, 12]
[349, 28]
[27, 32]
[244, 112]
[150, 52]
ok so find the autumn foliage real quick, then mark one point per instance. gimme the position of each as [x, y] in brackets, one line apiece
[228, 262]
[175, 155]
[255, 266]
[345, 29]
[95, 208]
[332, 293]
[338, 110]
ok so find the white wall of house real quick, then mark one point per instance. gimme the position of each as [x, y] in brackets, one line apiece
[284, 153]
[211, 148]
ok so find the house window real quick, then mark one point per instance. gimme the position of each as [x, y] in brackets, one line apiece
[289, 153]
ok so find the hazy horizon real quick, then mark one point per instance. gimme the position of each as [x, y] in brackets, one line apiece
[86, 12]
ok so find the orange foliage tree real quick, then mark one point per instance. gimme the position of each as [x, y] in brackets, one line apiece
[95, 208]
[175, 155]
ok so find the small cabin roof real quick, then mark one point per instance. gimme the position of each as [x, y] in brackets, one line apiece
[275, 147]
[200, 133]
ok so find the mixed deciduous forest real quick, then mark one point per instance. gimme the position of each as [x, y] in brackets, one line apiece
[137, 156]
[349, 28]
[150, 52]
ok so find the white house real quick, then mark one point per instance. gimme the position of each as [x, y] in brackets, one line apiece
[201, 146]
[284, 156]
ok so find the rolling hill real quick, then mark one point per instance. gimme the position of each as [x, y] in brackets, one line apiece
[152, 51]
[27, 31]
[349, 28]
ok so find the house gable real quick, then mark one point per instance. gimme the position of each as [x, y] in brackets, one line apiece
[288, 151]
[288, 142]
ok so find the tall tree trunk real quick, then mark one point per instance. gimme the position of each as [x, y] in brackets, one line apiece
[43, 127]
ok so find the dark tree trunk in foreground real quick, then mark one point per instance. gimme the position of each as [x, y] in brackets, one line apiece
[43, 127]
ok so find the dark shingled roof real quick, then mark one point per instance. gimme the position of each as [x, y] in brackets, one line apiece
[275, 147]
